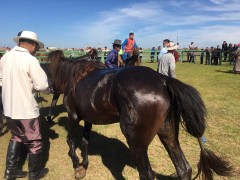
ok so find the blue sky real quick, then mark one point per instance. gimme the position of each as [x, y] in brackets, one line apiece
[77, 23]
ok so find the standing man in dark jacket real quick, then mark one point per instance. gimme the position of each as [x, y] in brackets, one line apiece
[207, 56]
[225, 50]
[218, 55]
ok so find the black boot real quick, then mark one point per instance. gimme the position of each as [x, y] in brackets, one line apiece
[35, 167]
[1, 124]
[12, 171]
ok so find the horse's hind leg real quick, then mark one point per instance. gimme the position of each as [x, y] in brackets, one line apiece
[169, 138]
[140, 156]
[138, 145]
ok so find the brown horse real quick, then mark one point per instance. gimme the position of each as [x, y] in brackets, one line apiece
[91, 55]
[144, 102]
[133, 60]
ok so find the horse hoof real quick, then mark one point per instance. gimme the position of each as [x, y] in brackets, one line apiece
[80, 172]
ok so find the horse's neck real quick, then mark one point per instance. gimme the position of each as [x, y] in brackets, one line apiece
[78, 70]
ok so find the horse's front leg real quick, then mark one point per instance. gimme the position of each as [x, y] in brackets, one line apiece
[72, 126]
[73, 123]
[86, 136]
[80, 169]
[53, 105]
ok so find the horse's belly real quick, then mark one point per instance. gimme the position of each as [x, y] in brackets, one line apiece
[101, 118]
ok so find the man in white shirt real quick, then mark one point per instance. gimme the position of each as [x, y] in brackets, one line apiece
[167, 62]
[163, 50]
[21, 77]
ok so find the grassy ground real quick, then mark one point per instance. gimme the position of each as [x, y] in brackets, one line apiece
[108, 153]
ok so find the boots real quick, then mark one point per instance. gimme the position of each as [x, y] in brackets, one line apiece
[35, 167]
[13, 153]
[1, 124]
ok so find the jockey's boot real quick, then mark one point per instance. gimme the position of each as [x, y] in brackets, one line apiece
[12, 170]
[36, 171]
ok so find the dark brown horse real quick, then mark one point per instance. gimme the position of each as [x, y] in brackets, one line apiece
[144, 102]
[133, 60]
[91, 55]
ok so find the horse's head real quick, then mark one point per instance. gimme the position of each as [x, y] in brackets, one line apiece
[135, 51]
[134, 59]
[54, 58]
[93, 53]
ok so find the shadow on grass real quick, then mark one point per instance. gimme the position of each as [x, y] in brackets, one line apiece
[115, 154]
[47, 132]
[229, 71]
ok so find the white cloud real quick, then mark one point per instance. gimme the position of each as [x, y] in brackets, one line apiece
[218, 1]
[152, 22]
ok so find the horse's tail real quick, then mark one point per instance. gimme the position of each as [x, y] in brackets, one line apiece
[186, 104]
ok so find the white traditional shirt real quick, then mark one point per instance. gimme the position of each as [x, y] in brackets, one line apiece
[20, 77]
[167, 65]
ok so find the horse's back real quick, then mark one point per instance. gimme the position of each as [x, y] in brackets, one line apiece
[141, 78]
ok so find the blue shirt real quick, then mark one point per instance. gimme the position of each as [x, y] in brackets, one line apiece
[162, 52]
[112, 59]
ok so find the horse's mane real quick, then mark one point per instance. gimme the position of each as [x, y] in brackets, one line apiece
[65, 72]
[91, 55]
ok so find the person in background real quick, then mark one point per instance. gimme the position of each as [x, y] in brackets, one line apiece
[163, 50]
[21, 76]
[152, 54]
[112, 60]
[207, 51]
[167, 62]
[158, 51]
[191, 53]
[105, 53]
[236, 68]
[218, 55]
[120, 53]
[201, 56]
[178, 46]
[212, 50]
[235, 47]
[230, 53]
[128, 46]
[140, 54]
[225, 50]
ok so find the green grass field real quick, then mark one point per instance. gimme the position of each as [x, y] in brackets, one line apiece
[108, 153]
